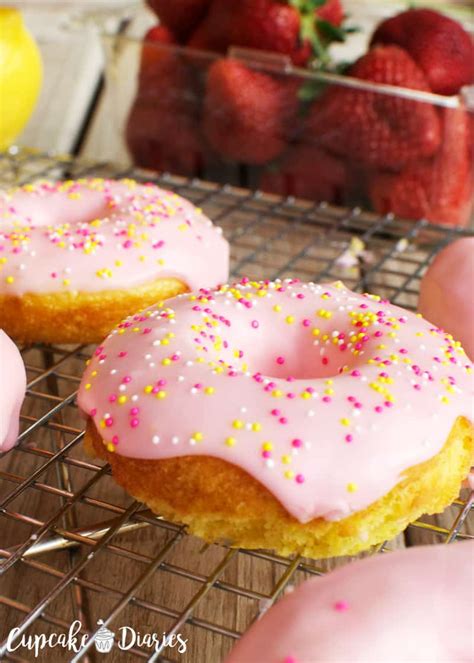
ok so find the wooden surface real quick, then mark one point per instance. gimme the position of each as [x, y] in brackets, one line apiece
[62, 122]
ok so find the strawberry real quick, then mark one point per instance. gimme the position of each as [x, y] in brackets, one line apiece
[307, 172]
[439, 189]
[180, 16]
[269, 25]
[247, 114]
[331, 11]
[438, 44]
[163, 126]
[382, 130]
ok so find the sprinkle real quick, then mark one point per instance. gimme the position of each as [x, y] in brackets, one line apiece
[341, 606]
[352, 487]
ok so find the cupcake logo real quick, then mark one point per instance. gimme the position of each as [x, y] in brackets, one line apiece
[104, 640]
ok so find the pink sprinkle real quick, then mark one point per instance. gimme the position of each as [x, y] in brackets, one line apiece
[127, 379]
[54, 275]
[266, 454]
[355, 373]
[290, 395]
[134, 423]
[112, 398]
[349, 438]
[378, 409]
[109, 422]
[255, 324]
[134, 411]
[378, 334]
[341, 606]
[306, 322]
[93, 412]
[299, 478]
[283, 420]
[128, 244]
[326, 399]
[115, 439]
[280, 360]
[297, 442]
[123, 353]
[147, 330]
[325, 361]
[275, 412]
[290, 659]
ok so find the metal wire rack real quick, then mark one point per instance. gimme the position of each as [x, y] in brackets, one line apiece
[73, 546]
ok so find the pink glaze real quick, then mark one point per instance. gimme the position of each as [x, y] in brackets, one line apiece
[404, 607]
[12, 391]
[94, 234]
[327, 415]
[447, 292]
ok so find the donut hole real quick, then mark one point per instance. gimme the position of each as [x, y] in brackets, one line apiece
[61, 207]
[297, 353]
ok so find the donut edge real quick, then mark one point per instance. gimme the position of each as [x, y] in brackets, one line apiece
[220, 502]
[82, 317]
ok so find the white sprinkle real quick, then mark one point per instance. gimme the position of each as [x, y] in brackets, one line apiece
[175, 439]
[155, 439]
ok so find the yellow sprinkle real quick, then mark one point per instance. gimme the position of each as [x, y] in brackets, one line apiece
[277, 308]
[345, 421]
[286, 460]
[88, 386]
[256, 427]
[166, 361]
[148, 389]
[9, 279]
[305, 395]
[209, 390]
[237, 423]
[445, 400]
[161, 394]
[289, 474]
[316, 331]
[289, 319]
[230, 441]
[122, 399]
[267, 446]
[110, 447]
[277, 393]
[198, 437]
[352, 487]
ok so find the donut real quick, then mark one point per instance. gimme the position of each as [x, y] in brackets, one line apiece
[414, 605]
[12, 391]
[446, 297]
[76, 257]
[284, 415]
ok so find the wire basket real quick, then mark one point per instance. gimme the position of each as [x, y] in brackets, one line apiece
[74, 546]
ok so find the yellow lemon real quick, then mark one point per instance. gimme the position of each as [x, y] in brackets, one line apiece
[20, 75]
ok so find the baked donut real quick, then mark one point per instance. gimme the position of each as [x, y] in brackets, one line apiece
[76, 257]
[283, 415]
[446, 289]
[408, 606]
[12, 391]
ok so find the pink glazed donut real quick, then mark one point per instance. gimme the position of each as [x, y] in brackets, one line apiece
[447, 292]
[284, 415]
[411, 606]
[77, 257]
[12, 391]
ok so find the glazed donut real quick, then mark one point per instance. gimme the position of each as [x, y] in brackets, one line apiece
[12, 391]
[76, 257]
[408, 606]
[446, 289]
[283, 415]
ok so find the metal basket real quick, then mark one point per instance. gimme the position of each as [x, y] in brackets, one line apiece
[73, 546]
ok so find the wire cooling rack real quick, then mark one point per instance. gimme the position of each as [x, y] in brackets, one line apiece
[73, 546]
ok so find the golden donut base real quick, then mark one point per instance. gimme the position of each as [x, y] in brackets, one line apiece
[220, 502]
[81, 317]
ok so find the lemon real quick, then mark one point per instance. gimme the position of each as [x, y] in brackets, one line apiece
[20, 75]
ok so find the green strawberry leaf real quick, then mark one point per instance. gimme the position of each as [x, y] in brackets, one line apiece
[310, 90]
[330, 31]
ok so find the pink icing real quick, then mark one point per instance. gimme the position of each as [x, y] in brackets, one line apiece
[12, 391]
[323, 395]
[94, 234]
[402, 607]
[446, 292]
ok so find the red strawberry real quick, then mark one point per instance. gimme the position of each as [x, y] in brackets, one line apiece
[247, 114]
[332, 12]
[180, 16]
[163, 126]
[267, 25]
[307, 172]
[382, 130]
[438, 44]
[440, 189]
